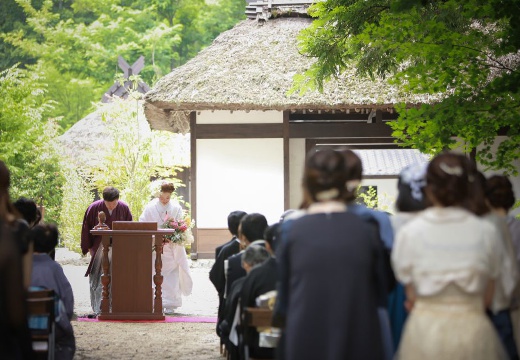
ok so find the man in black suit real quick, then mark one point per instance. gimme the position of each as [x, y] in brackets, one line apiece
[252, 227]
[252, 256]
[259, 280]
[222, 252]
[217, 275]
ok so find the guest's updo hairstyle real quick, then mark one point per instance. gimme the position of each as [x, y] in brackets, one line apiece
[354, 174]
[167, 188]
[45, 237]
[325, 176]
[476, 200]
[447, 179]
[499, 192]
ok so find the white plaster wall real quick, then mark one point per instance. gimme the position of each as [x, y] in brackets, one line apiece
[238, 174]
[239, 117]
[296, 166]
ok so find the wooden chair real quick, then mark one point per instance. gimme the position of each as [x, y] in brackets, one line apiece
[41, 317]
[257, 318]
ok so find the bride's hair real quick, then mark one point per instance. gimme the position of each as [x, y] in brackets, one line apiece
[167, 187]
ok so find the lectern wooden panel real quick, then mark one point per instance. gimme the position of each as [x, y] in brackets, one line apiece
[128, 291]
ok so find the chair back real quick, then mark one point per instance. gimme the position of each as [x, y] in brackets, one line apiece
[41, 317]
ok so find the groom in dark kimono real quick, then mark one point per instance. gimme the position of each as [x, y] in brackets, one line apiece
[115, 210]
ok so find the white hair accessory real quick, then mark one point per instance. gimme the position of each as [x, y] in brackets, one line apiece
[415, 177]
[326, 195]
[451, 170]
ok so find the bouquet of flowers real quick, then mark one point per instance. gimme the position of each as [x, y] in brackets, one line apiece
[182, 227]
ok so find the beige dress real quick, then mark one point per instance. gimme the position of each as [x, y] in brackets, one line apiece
[448, 255]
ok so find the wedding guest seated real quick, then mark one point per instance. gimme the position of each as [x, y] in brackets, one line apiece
[31, 216]
[15, 340]
[217, 274]
[260, 280]
[47, 273]
[252, 227]
[252, 256]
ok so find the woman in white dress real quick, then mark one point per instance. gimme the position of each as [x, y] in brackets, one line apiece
[175, 268]
[448, 259]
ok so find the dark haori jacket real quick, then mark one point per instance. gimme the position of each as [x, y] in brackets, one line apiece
[89, 242]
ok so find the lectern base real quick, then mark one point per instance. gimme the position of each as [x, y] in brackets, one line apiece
[131, 316]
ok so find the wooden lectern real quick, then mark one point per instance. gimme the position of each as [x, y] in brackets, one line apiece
[127, 281]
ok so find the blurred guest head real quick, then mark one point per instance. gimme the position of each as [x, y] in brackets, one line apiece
[233, 221]
[29, 210]
[447, 180]
[354, 174]
[325, 177]
[271, 236]
[476, 201]
[499, 192]
[252, 227]
[45, 238]
[254, 255]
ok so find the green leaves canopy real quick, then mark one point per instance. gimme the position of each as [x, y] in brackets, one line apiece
[463, 53]
[27, 142]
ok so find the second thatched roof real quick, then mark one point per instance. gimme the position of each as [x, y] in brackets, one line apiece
[251, 67]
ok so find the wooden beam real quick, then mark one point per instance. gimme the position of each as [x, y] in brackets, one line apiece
[339, 130]
[339, 116]
[239, 131]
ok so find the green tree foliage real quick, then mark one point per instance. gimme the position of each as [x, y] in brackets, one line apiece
[28, 141]
[77, 196]
[128, 164]
[221, 16]
[79, 47]
[78, 42]
[462, 52]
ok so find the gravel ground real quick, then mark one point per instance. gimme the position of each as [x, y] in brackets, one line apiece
[112, 340]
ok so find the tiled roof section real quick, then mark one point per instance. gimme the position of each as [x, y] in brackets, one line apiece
[389, 161]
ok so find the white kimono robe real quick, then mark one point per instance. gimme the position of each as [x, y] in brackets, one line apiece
[175, 268]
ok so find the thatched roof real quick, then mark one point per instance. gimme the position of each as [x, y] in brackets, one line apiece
[88, 141]
[85, 142]
[251, 67]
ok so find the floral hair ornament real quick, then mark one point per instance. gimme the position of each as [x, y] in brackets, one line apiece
[352, 185]
[415, 177]
[451, 170]
[326, 195]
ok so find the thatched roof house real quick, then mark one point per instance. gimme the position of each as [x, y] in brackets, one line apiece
[89, 140]
[251, 67]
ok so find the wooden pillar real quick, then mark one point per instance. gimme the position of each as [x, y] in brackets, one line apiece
[193, 182]
[286, 160]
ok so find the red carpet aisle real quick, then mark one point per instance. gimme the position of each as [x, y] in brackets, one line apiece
[168, 319]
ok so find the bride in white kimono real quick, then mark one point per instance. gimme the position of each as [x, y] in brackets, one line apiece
[175, 269]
